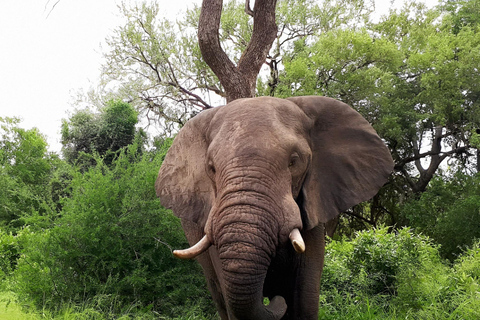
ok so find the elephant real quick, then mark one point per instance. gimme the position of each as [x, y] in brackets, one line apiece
[254, 182]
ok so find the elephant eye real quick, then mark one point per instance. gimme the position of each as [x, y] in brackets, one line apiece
[211, 167]
[293, 160]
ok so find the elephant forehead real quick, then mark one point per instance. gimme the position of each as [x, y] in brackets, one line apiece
[256, 137]
[249, 143]
[263, 118]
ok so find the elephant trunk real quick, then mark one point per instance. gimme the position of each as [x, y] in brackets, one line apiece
[245, 250]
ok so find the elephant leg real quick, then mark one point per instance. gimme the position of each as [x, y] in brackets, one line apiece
[308, 273]
[194, 233]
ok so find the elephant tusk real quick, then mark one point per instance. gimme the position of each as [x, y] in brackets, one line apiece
[190, 253]
[297, 240]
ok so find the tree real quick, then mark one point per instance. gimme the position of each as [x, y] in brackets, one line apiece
[158, 66]
[25, 171]
[448, 212]
[414, 78]
[105, 132]
[440, 94]
[238, 80]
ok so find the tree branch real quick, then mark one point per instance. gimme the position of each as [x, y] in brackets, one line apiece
[247, 8]
[238, 80]
[357, 216]
[442, 155]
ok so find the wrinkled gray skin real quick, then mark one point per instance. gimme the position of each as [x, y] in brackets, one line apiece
[248, 173]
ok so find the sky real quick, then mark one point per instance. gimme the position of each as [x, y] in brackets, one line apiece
[51, 49]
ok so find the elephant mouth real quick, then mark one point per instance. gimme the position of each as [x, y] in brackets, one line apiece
[205, 243]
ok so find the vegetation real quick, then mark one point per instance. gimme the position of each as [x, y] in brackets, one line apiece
[103, 133]
[384, 275]
[83, 235]
[106, 244]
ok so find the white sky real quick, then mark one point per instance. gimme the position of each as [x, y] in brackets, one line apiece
[47, 55]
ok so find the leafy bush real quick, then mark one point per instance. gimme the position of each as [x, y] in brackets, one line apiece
[382, 275]
[467, 282]
[448, 212]
[9, 253]
[25, 170]
[112, 244]
[441, 292]
[371, 261]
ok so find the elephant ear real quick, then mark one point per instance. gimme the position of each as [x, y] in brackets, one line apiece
[350, 162]
[182, 183]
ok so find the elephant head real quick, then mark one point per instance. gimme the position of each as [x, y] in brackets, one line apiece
[257, 173]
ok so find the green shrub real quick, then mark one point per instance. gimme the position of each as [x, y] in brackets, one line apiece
[382, 275]
[361, 276]
[448, 212]
[9, 253]
[371, 261]
[112, 244]
[466, 279]
[441, 292]
[25, 171]
[104, 132]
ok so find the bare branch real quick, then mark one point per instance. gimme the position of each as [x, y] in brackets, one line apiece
[247, 8]
[238, 80]
[53, 7]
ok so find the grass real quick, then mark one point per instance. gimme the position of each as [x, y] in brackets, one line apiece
[11, 310]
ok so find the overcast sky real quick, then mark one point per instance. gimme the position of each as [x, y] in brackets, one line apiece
[46, 55]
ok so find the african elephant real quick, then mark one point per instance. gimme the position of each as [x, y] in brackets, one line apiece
[254, 183]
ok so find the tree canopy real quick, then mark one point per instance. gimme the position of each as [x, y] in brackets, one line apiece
[25, 173]
[105, 132]
[412, 75]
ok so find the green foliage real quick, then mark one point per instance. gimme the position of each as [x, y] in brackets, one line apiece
[12, 309]
[381, 275]
[158, 65]
[345, 64]
[443, 293]
[9, 253]
[105, 133]
[25, 170]
[463, 13]
[112, 244]
[448, 212]
[371, 261]
[413, 77]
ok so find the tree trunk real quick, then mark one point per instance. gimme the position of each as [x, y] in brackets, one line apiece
[239, 80]
[478, 160]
